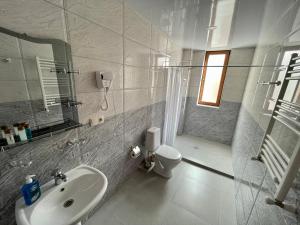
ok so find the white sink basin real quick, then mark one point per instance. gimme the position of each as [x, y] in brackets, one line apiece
[67, 203]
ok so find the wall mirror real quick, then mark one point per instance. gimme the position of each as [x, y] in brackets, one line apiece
[36, 86]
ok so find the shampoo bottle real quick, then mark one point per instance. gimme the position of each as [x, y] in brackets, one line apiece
[28, 131]
[16, 131]
[31, 190]
[9, 137]
[22, 133]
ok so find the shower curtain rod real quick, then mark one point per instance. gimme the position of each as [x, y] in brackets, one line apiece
[258, 66]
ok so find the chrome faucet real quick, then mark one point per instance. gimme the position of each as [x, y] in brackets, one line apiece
[59, 177]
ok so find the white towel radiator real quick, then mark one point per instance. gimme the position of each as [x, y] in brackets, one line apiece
[282, 168]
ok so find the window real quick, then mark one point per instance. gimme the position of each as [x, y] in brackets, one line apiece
[213, 77]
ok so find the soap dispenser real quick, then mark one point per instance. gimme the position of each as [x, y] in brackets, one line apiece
[31, 190]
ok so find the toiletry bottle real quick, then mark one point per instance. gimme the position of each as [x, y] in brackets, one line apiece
[22, 133]
[9, 137]
[31, 190]
[28, 131]
[16, 135]
[3, 141]
[3, 128]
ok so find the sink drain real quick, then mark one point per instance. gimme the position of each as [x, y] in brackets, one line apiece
[68, 203]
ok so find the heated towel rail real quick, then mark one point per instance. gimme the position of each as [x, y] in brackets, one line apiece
[52, 75]
[282, 168]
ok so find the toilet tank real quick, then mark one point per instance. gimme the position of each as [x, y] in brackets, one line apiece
[153, 139]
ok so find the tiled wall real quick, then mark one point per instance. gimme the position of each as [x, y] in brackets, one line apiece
[105, 35]
[213, 123]
[253, 183]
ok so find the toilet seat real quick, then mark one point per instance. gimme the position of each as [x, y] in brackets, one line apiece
[168, 152]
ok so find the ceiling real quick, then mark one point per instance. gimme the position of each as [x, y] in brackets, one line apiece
[206, 24]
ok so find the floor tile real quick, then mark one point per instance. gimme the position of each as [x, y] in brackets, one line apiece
[209, 153]
[191, 197]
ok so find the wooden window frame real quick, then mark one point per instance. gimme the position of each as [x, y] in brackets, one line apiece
[202, 81]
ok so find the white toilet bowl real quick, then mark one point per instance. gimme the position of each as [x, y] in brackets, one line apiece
[166, 159]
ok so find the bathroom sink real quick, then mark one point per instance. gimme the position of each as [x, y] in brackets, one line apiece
[67, 203]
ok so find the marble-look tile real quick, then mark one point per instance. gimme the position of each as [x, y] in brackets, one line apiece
[135, 99]
[107, 13]
[157, 114]
[181, 116]
[240, 216]
[136, 54]
[34, 89]
[212, 123]
[158, 40]
[118, 96]
[34, 17]
[92, 41]
[157, 95]
[175, 52]
[198, 57]
[85, 81]
[135, 125]
[136, 27]
[42, 118]
[90, 108]
[193, 92]
[158, 77]
[12, 71]
[199, 199]
[11, 91]
[17, 111]
[30, 69]
[59, 3]
[9, 46]
[102, 141]
[195, 77]
[247, 199]
[158, 59]
[234, 85]
[136, 77]
[31, 49]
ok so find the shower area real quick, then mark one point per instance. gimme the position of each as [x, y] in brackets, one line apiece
[204, 100]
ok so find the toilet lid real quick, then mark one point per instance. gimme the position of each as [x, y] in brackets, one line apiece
[168, 152]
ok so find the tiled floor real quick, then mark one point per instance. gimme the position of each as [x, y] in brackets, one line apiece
[193, 196]
[208, 153]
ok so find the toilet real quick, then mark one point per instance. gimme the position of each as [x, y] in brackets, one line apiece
[166, 157]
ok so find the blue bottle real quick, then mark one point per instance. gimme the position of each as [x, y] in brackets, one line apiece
[31, 190]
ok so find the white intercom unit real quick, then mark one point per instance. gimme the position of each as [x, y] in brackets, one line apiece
[104, 81]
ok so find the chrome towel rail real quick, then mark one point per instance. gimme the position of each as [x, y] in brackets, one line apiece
[270, 83]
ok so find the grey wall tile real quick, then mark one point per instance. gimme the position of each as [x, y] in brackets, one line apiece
[216, 124]
[34, 17]
[107, 13]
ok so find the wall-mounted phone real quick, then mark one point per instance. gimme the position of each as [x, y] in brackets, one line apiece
[104, 81]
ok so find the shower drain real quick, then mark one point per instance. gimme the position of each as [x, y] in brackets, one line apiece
[68, 203]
